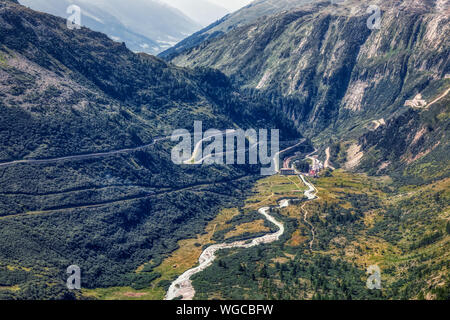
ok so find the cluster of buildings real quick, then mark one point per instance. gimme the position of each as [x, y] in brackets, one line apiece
[287, 172]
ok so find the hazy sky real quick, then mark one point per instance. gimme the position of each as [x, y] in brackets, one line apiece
[231, 5]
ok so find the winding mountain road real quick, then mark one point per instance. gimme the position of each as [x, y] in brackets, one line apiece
[182, 286]
[198, 148]
[276, 157]
[311, 194]
[83, 156]
[327, 163]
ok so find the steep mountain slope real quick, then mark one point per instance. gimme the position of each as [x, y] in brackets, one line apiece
[145, 26]
[413, 147]
[379, 99]
[68, 93]
[331, 63]
[244, 16]
[202, 11]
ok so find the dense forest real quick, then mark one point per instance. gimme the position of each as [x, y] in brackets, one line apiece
[121, 216]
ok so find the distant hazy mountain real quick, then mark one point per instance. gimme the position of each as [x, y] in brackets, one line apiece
[374, 102]
[144, 25]
[244, 16]
[204, 12]
[353, 80]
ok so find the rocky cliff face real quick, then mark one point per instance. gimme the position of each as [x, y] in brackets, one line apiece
[413, 146]
[76, 92]
[256, 9]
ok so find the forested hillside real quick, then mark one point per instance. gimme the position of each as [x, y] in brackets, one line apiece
[335, 77]
[66, 93]
[144, 25]
[376, 102]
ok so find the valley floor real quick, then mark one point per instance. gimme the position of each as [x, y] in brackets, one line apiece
[358, 221]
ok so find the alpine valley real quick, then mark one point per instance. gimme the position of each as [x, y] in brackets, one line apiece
[87, 179]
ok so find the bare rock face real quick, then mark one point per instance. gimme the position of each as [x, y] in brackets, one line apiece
[68, 96]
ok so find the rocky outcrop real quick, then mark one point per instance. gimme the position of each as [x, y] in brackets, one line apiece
[327, 60]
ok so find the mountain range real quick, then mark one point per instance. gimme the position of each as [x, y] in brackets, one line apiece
[351, 72]
[86, 176]
[251, 12]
